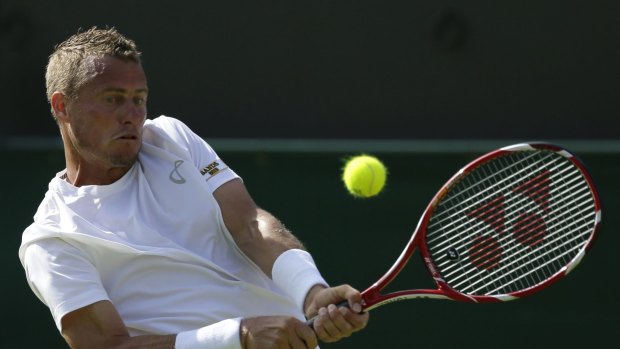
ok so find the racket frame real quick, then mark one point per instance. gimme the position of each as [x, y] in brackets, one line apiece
[372, 296]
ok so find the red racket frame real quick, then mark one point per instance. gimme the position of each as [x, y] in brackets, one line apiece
[373, 297]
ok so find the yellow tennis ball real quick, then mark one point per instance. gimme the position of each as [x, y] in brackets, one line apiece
[364, 176]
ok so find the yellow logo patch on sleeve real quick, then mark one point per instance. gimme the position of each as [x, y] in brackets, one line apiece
[211, 169]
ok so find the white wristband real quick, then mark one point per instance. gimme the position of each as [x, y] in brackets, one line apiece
[295, 273]
[220, 335]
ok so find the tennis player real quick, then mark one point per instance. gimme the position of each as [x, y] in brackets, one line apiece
[147, 239]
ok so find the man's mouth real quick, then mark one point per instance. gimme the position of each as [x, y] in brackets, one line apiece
[128, 136]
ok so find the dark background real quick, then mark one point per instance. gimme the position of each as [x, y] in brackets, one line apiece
[355, 73]
[344, 68]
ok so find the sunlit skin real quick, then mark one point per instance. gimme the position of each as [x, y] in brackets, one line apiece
[102, 127]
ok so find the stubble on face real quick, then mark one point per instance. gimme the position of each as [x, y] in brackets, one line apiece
[109, 135]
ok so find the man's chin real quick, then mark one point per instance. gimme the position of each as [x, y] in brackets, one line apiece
[124, 161]
[126, 158]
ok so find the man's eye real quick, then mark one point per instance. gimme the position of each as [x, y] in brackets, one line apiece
[111, 99]
[139, 100]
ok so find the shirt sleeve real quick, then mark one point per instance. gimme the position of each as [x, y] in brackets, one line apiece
[204, 157]
[62, 277]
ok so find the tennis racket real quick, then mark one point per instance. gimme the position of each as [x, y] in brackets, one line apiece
[507, 225]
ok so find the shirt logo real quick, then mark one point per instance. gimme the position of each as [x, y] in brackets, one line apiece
[175, 175]
[211, 169]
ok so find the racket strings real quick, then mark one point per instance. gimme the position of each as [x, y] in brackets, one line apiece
[528, 270]
[457, 232]
[454, 228]
[462, 218]
[511, 223]
[490, 184]
[528, 257]
[509, 205]
[520, 265]
[514, 254]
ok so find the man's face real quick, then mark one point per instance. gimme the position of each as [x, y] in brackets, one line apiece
[105, 120]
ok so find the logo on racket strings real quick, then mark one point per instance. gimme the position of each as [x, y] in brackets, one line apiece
[453, 254]
[512, 214]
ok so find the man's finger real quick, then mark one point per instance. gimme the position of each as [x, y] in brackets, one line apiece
[306, 336]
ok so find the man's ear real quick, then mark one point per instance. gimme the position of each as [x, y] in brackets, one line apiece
[59, 105]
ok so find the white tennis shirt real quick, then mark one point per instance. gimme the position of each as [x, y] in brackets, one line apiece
[153, 243]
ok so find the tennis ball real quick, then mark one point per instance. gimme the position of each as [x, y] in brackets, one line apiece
[364, 175]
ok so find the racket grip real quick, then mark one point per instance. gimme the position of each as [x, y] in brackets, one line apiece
[310, 322]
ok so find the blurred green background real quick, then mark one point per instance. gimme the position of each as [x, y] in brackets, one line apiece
[354, 241]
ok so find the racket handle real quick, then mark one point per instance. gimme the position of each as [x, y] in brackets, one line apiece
[310, 322]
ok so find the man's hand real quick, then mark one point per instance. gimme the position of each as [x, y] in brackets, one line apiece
[266, 332]
[334, 323]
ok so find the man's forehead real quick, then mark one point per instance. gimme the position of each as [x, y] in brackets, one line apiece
[115, 73]
[98, 64]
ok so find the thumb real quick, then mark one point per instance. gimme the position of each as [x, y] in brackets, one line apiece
[352, 296]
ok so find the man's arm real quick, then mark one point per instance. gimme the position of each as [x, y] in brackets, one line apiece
[263, 238]
[99, 326]
[258, 234]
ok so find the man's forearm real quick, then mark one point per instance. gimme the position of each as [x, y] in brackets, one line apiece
[266, 239]
[273, 230]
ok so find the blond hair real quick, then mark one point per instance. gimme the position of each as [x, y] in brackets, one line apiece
[67, 70]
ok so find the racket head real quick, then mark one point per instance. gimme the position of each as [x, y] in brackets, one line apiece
[508, 224]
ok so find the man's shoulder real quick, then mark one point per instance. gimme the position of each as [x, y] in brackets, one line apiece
[165, 127]
[160, 120]
[165, 123]
[168, 135]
